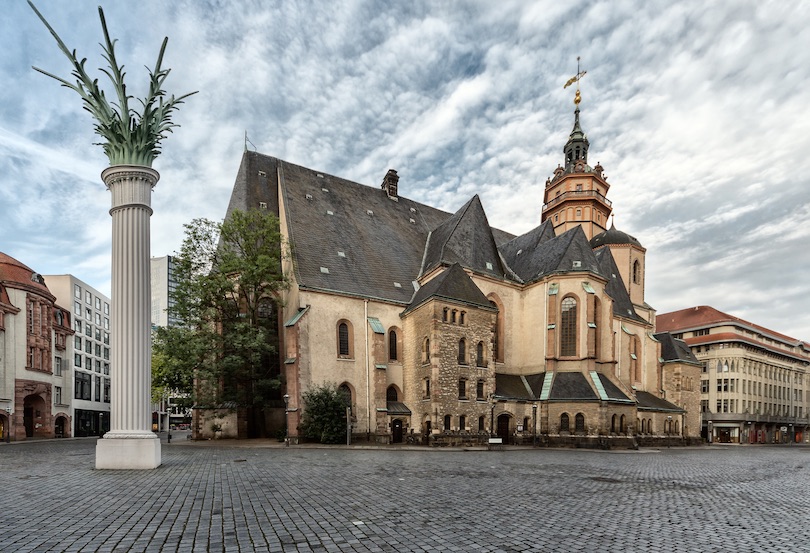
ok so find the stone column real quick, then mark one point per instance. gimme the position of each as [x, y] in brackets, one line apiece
[130, 443]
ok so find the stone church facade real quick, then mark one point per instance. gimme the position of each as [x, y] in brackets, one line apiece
[444, 330]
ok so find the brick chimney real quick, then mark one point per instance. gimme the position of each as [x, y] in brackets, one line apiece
[389, 183]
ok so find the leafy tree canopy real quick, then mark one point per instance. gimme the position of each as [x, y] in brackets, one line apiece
[229, 277]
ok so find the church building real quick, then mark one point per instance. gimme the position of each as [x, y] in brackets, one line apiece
[446, 331]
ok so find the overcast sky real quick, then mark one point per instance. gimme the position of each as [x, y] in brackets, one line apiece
[696, 110]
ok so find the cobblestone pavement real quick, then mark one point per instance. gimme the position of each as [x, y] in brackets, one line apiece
[254, 497]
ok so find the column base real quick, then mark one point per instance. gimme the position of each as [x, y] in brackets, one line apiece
[127, 453]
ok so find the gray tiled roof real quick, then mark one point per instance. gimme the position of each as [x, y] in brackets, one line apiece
[612, 391]
[465, 238]
[673, 349]
[519, 252]
[453, 284]
[571, 386]
[649, 402]
[551, 255]
[366, 241]
[622, 306]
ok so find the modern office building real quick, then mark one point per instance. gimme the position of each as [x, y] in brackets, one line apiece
[174, 409]
[163, 284]
[754, 383]
[91, 352]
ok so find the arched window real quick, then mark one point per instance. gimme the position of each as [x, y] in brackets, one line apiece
[564, 423]
[613, 424]
[462, 423]
[347, 392]
[482, 424]
[633, 358]
[636, 272]
[462, 388]
[643, 426]
[462, 352]
[677, 433]
[649, 426]
[623, 425]
[391, 394]
[480, 360]
[479, 389]
[568, 327]
[392, 345]
[426, 350]
[597, 321]
[497, 329]
[446, 314]
[579, 423]
[345, 345]
[526, 423]
[447, 423]
[427, 388]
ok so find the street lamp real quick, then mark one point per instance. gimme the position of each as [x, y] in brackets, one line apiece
[492, 402]
[286, 420]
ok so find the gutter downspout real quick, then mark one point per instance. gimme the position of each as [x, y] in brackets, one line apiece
[368, 378]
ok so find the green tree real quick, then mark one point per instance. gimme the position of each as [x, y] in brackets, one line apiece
[325, 414]
[229, 280]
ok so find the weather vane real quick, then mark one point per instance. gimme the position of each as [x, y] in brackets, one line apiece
[575, 79]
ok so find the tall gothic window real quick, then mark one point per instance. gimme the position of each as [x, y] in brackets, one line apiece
[636, 272]
[392, 345]
[462, 352]
[568, 328]
[345, 340]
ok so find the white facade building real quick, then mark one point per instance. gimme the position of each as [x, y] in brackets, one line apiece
[90, 360]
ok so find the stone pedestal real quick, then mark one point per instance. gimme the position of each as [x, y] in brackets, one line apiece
[130, 443]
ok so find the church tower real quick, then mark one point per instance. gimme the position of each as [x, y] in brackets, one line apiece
[576, 194]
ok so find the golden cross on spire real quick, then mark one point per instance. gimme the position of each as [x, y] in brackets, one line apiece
[575, 79]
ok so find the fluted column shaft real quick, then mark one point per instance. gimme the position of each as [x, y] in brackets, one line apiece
[131, 345]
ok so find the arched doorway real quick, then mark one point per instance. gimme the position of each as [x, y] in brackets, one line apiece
[396, 431]
[59, 427]
[33, 414]
[503, 427]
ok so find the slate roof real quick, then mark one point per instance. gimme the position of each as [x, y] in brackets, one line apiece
[622, 306]
[382, 240]
[571, 386]
[614, 236]
[512, 386]
[613, 392]
[519, 252]
[673, 349]
[465, 238]
[553, 255]
[648, 402]
[397, 408]
[353, 239]
[453, 284]
[519, 387]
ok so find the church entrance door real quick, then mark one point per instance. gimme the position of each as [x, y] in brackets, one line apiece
[396, 428]
[503, 427]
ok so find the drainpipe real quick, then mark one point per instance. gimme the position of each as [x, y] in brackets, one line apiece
[368, 377]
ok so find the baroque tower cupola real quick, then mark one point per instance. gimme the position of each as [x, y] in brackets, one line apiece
[576, 194]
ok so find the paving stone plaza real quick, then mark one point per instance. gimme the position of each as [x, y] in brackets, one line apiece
[257, 496]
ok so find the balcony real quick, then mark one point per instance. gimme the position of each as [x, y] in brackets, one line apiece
[577, 195]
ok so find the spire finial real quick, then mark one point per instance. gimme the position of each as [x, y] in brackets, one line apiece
[575, 79]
